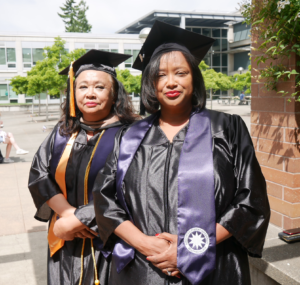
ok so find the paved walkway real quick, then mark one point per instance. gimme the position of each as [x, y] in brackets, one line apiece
[23, 243]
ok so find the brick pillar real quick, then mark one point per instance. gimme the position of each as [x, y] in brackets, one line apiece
[275, 133]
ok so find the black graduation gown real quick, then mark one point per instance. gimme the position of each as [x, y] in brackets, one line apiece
[240, 199]
[65, 266]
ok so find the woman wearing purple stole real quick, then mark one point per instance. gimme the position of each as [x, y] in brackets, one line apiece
[66, 164]
[182, 195]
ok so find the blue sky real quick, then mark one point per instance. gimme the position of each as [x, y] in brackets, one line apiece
[106, 16]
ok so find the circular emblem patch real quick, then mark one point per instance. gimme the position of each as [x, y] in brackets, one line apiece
[196, 240]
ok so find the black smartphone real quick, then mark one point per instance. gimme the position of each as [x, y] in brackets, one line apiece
[292, 231]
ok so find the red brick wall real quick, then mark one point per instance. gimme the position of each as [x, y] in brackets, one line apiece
[275, 133]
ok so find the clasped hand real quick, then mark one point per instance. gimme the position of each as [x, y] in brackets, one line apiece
[68, 227]
[165, 260]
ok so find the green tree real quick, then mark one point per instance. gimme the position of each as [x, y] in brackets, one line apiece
[131, 83]
[74, 17]
[242, 81]
[19, 84]
[216, 80]
[44, 76]
[82, 23]
[69, 15]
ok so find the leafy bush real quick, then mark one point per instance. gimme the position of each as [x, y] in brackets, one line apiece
[276, 24]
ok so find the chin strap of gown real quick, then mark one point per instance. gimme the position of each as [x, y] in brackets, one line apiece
[86, 201]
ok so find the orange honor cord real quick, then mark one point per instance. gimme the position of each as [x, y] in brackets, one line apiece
[72, 97]
[56, 243]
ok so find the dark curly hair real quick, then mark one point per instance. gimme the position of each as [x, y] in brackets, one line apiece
[122, 108]
[150, 78]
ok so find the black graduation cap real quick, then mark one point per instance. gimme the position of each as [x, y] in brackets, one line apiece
[162, 33]
[97, 57]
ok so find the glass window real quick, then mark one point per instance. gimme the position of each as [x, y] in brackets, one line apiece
[37, 54]
[27, 65]
[217, 69]
[2, 56]
[217, 45]
[224, 60]
[224, 70]
[11, 54]
[3, 92]
[189, 29]
[224, 33]
[216, 59]
[129, 60]
[206, 32]
[26, 54]
[135, 54]
[224, 44]
[104, 49]
[216, 33]
[115, 50]
[207, 60]
[12, 94]
[11, 65]
[197, 30]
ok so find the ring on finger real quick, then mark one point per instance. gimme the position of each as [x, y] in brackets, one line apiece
[169, 272]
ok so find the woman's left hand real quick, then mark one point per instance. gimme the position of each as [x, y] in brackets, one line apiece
[167, 261]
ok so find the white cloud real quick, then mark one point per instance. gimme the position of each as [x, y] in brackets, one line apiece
[105, 16]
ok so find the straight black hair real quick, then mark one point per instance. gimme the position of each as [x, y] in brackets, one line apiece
[150, 78]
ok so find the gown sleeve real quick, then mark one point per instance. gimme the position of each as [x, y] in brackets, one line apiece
[248, 214]
[86, 215]
[109, 213]
[41, 184]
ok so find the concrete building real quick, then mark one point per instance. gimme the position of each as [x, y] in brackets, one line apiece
[231, 48]
[20, 51]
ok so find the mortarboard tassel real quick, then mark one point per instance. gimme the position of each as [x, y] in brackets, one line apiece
[68, 103]
[72, 98]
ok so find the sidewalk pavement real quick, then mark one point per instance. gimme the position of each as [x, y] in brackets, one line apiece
[23, 240]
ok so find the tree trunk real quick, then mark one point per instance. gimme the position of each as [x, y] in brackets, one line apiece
[39, 104]
[32, 109]
[211, 98]
[47, 107]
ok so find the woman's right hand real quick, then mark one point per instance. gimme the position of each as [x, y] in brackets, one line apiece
[153, 246]
[69, 227]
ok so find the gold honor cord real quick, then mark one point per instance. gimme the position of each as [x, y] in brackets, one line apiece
[86, 201]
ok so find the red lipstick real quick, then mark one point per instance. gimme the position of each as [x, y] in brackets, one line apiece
[172, 94]
[91, 104]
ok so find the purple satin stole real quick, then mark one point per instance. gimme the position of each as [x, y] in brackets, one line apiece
[59, 145]
[196, 216]
[104, 148]
[124, 253]
[196, 203]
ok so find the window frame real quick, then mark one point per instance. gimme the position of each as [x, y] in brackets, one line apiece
[7, 62]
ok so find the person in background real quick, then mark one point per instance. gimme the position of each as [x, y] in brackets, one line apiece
[242, 98]
[8, 138]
